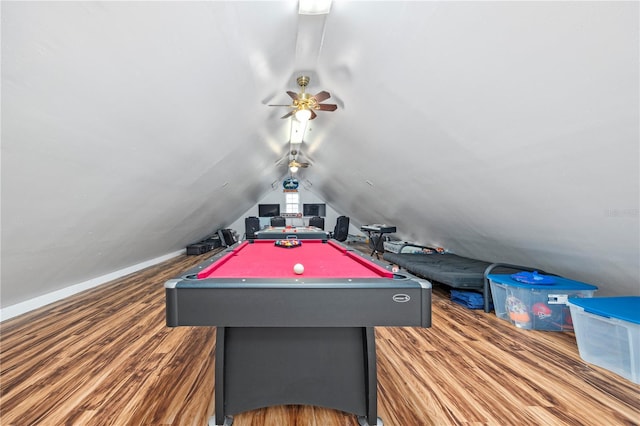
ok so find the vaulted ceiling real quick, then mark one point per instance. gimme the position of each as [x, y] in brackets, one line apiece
[501, 130]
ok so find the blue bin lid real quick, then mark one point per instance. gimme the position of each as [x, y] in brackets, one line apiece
[626, 308]
[558, 284]
[533, 277]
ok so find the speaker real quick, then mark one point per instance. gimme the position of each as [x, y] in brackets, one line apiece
[341, 231]
[251, 225]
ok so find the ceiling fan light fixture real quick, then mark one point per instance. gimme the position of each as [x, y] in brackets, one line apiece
[303, 115]
[305, 105]
[294, 165]
[314, 7]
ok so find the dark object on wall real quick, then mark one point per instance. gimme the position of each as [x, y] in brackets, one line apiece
[278, 221]
[251, 225]
[341, 230]
[268, 210]
[290, 183]
[314, 210]
[317, 221]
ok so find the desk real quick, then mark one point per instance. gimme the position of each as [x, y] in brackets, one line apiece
[284, 232]
[303, 339]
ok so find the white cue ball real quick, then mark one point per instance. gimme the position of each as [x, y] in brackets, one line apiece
[298, 268]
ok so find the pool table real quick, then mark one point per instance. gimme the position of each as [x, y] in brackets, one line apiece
[286, 338]
[300, 232]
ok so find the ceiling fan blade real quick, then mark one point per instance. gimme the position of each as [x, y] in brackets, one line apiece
[288, 114]
[322, 96]
[293, 95]
[279, 105]
[327, 107]
[313, 115]
[296, 163]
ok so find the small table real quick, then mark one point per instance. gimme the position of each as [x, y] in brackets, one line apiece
[285, 232]
[377, 230]
[284, 338]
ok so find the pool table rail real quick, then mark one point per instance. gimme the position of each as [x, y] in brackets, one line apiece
[316, 303]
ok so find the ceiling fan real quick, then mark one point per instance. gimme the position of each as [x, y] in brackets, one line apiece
[304, 105]
[294, 164]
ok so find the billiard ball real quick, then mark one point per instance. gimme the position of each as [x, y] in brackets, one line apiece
[298, 268]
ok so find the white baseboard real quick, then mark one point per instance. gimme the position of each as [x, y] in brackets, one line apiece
[54, 296]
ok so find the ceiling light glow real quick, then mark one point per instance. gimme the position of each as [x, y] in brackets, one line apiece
[314, 7]
[297, 131]
[303, 115]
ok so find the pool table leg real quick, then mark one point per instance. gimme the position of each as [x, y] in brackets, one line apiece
[359, 353]
[219, 379]
[362, 421]
[371, 419]
[228, 421]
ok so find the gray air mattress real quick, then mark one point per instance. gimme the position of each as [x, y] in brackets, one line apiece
[450, 269]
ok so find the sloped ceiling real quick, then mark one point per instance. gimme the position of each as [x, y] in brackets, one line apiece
[506, 131]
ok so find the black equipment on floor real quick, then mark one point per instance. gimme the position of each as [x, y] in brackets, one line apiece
[341, 230]
[251, 225]
[227, 238]
[204, 246]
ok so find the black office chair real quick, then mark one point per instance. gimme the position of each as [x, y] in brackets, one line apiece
[317, 221]
[278, 221]
[341, 230]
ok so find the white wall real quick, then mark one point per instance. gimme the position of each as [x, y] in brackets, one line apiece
[505, 131]
[307, 196]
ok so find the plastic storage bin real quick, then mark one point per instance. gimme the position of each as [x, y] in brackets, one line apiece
[536, 306]
[608, 333]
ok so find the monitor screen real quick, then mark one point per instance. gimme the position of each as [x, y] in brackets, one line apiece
[268, 210]
[314, 210]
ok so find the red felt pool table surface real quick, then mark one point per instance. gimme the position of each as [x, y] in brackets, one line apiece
[263, 259]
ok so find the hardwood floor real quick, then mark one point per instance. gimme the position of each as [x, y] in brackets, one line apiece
[105, 357]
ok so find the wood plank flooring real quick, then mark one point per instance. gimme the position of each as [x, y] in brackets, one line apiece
[105, 357]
